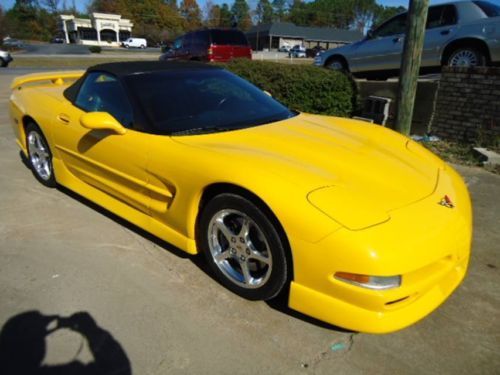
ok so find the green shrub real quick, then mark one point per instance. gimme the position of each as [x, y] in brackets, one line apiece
[305, 88]
[95, 49]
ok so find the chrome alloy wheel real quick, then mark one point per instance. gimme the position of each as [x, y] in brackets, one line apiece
[39, 155]
[464, 57]
[239, 248]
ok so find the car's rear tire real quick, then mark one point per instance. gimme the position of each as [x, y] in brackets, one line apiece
[39, 156]
[467, 57]
[243, 247]
[3, 63]
[143, 46]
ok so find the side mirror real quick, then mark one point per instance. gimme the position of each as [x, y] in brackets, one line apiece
[101, 121]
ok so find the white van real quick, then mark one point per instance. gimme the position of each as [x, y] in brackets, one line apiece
[135, 42]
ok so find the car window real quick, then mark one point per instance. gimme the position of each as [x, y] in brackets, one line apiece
[394, 26]
[200, 39]
[187, 40]
[192, 101]
[229, 37]
[440, 16]
[177, 43]
[101, 92]
[491, 10]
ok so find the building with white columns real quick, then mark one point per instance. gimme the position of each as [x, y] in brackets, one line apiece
[100, 29]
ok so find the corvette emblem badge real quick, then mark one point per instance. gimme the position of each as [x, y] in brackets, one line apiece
[446, 202]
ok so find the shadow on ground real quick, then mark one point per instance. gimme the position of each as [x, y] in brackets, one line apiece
[23, 346]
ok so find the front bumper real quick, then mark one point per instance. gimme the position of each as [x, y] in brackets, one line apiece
[428, 244]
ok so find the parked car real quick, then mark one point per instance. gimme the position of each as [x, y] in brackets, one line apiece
[284, 48]
[315, 51]
[135, 43]
[360, 226]
[465, 33]
[58, 40]
[210, 45]
[297, 51]
[5, 58]
[12, 43]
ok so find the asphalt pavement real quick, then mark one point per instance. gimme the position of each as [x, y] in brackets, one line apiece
[81, 287]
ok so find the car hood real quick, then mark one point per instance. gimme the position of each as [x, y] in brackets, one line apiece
[365, 165]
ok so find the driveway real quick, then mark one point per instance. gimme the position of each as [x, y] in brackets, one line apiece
[149, 309]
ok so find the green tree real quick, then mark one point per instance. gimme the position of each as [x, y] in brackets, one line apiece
[225, 16]
[241, 14]
[279, 7]
[264, 12]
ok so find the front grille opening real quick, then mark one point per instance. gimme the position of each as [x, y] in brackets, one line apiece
[397, 301]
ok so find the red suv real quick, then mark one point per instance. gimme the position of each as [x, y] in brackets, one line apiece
[210, 45]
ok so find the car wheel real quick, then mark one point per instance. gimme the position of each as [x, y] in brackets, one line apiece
[39, 156]
[3, 63]
[243, 247]
[143, 46]
[466, 57]
[336, 64]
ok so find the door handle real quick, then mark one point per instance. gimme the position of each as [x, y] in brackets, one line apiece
[63, 118]
[445, 32]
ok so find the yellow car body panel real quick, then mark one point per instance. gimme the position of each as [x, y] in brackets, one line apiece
[350, 197]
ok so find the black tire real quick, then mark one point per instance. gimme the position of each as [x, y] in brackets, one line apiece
[36, 144]
[336, 63]
[3, 63]
[461, 55]
[263, 237]
[143, 46]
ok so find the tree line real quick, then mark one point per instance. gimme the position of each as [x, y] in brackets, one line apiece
[160, 20]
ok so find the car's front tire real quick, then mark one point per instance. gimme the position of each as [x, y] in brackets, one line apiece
[39, 156]
[243, 247]
[337, 64]
[467, 57]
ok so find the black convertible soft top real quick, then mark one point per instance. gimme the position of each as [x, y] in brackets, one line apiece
[121, 69]
[138, 67]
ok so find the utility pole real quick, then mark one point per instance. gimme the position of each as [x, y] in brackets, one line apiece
[410, 66]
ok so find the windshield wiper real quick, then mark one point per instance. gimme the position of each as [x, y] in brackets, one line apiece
[210, 129]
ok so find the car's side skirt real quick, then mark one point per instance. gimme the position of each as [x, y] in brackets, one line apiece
[65, 178]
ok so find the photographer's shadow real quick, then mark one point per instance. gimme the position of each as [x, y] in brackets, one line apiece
[23, 346]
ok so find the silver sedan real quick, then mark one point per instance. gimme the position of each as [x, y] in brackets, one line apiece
[465, 33]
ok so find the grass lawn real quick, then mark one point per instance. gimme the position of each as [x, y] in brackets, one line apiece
[69, 62]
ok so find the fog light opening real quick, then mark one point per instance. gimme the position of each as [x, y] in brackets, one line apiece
[370, 282]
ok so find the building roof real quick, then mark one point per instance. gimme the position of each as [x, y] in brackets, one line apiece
[288, 29]
[137, 67]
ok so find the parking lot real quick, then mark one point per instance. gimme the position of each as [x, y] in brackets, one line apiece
[62, 255]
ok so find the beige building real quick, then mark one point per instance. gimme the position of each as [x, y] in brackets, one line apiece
[100, 29]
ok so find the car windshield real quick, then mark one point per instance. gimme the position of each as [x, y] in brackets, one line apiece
[200, 101]
[491, 10]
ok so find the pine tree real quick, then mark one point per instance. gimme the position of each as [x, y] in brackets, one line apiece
[241, 15]
[264, 12]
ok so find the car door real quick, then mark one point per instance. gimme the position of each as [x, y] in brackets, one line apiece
[382, 48]
[112, 163]
[441, 26]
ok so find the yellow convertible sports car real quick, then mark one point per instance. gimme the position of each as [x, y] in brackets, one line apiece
[362, 227]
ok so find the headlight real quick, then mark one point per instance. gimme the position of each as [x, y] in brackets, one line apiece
[370, 282]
